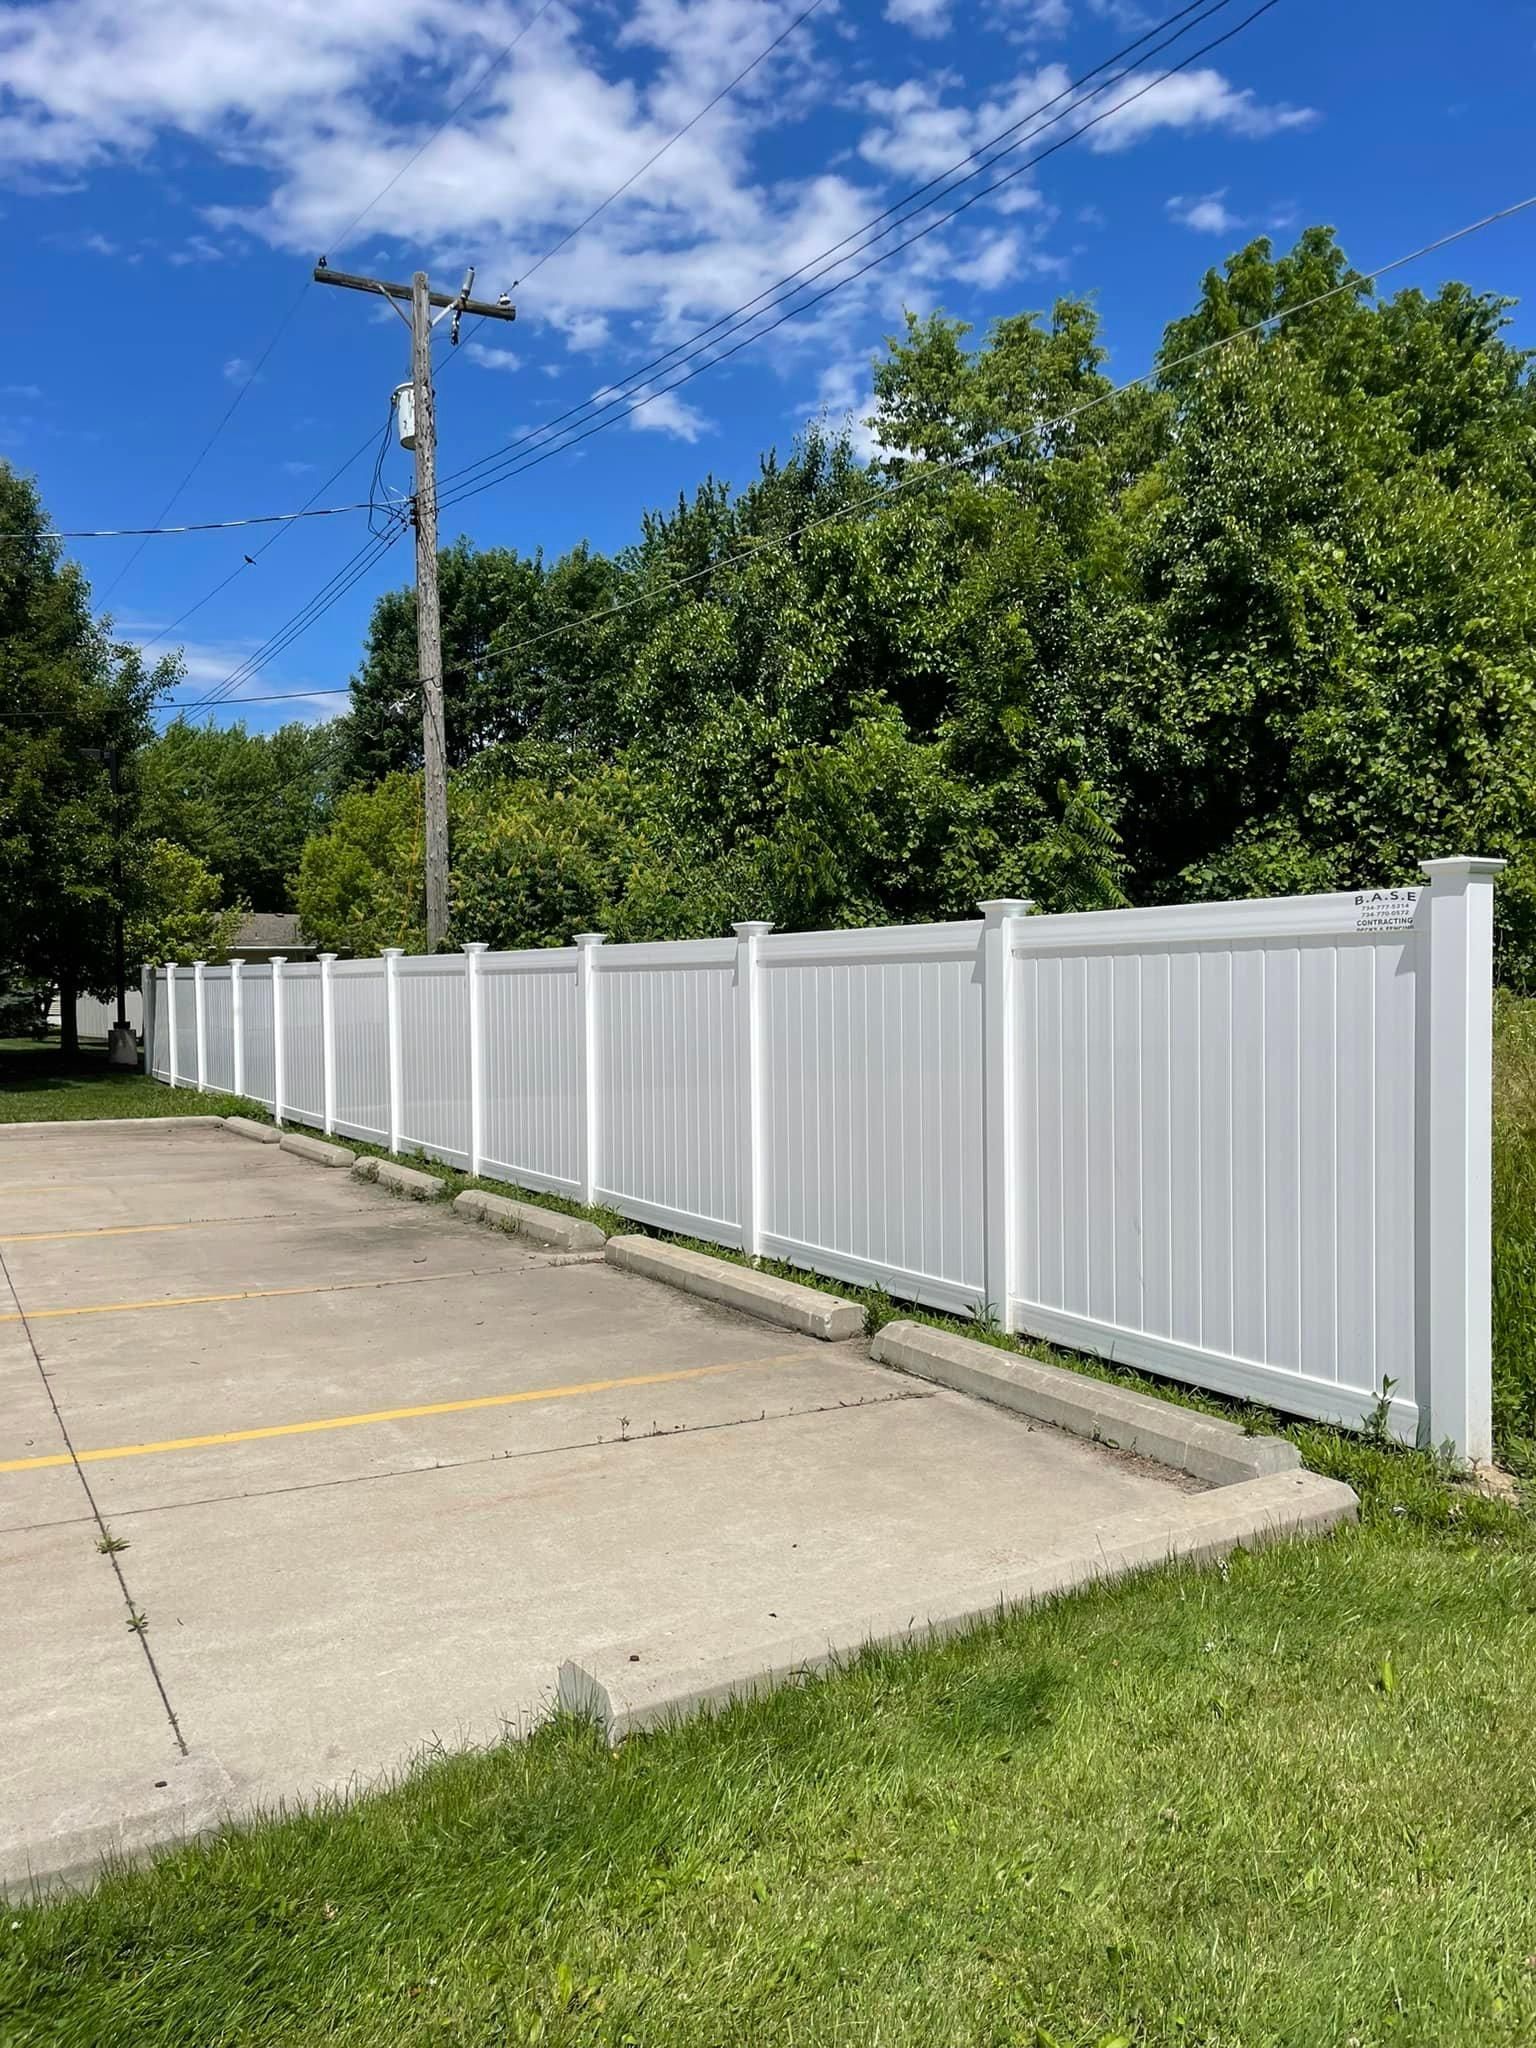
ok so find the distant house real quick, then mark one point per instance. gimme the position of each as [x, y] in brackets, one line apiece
[266, 934]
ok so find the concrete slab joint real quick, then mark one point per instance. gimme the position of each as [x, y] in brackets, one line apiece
[544, 1226]
[247, 1127]
[1205, 1446]
[785, 1302]
[316, 1150]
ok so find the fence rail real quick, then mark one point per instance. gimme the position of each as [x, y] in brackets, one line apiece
[1245, 1145]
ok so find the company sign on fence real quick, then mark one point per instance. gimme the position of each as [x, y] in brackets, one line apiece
[1244, 1144]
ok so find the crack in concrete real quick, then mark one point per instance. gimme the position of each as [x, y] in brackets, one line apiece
[648, 1436]
[135, 1614]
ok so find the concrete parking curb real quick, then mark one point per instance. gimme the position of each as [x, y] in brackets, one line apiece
[622, 1697]
[247, 1127]
[785, 1302]
[403, 1180]
[317, 1150]
[1204, 1446]
[545, 1226]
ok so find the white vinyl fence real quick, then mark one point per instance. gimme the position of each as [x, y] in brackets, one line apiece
[93, 1018]
[1245, 1145]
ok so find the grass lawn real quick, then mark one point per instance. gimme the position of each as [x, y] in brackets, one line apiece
[1288, 1804]
[38, 1085]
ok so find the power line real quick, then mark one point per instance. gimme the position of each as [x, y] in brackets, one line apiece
[598, 424]
[263, 656]
[198, 526]
[1352, 284]
[250, 561]
[907, 207]
[708, 107]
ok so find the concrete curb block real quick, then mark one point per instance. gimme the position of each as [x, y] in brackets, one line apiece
[785, 1302]
[244, 1127]
[404, 1180]
[199, 1796]
[65, 1124]
[1204, 1446]
[545, 1226]
[317, 1150]
[622, 1698]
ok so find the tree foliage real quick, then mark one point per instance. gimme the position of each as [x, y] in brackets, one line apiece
[1265, 623]
[243, 802]
[71, 850]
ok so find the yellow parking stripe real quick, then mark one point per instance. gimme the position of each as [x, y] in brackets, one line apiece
[136, 1229]
[247, 1436]
[124, 1308]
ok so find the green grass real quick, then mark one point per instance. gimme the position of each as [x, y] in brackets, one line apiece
[1290, 1802]
[1287, 1804]
[39, 1085]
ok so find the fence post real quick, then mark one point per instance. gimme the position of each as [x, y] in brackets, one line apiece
[392, 1031]
[327, 1045]
[279, 962]
[147, 1017]
[475, 994]
[749, 1085]
[1456, 1157]
[586, 1062]
[237, 1024]
[170, 1023]
[200, 1016]
[1001, 916]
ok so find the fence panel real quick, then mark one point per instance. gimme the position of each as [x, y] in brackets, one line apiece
[158, 1053]
[1214, 1117]
[303, 1046]
[93, 1018]
[186, 1025]
[531, 1114]
[256, 1033]
[1246, 1145]
[872, 1109]
[362, 1050]
[666, 1098]
[434, 1058]
[218, 1028]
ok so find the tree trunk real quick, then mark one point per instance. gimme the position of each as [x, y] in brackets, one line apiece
[69, 1022]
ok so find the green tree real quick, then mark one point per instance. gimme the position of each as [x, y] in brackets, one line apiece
[244, 802]
[71, 854]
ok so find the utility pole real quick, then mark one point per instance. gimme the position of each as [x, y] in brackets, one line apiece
[429, 638]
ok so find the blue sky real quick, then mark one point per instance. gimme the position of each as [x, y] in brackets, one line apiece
[168, 174]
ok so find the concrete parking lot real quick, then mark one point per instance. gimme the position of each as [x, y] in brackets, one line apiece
[298, 1480]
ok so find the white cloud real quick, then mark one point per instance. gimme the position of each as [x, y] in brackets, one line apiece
[654, 411]
[237, 369]
[490, 358]
[845, 402]
[99, 245]
[1190, 99]
[197, 249]
[28, 391]
[1207, 215]
[319, 105]
[923, 17]
[996, 259]
[668, 414]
